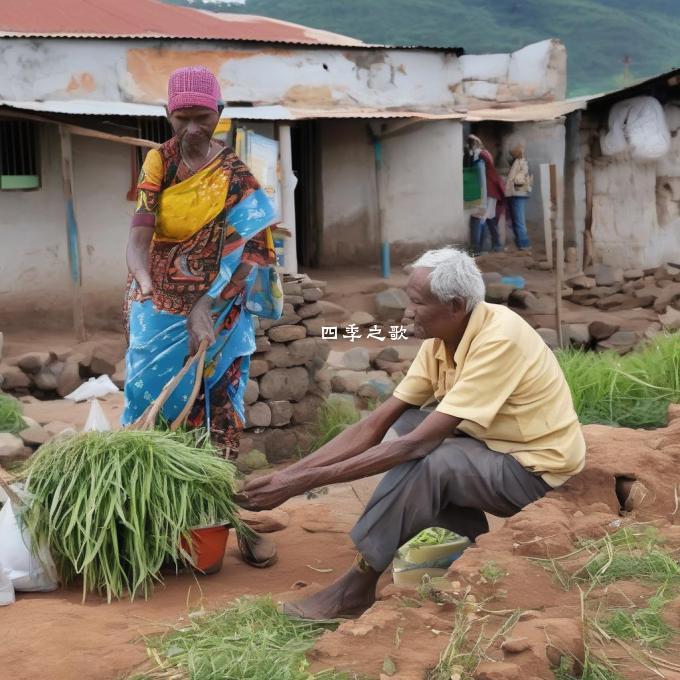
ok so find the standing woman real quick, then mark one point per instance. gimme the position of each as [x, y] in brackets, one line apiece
[492, 198]
[517, 189]
[199, 233]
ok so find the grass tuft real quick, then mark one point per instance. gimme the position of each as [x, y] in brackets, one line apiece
[627, 391]
[11, 419]
[333, 416]
[593, 669]
[465, 651]
[644, 626]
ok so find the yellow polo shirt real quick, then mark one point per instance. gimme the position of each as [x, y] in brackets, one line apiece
[507, 387]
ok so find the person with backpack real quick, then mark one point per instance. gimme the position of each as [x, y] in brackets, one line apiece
[517, 190]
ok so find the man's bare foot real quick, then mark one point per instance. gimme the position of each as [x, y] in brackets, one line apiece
[349, 596]
[258, 550]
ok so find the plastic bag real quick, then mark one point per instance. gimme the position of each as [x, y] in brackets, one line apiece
[94, 388]
[28, 571]
[6, 589]
[96, 419]
[637, 125]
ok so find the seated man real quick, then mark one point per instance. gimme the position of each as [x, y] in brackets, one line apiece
[502, 433]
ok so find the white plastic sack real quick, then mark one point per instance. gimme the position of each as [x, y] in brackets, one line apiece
[96, 419]
[637, 125]
[26, 571]
[672, 111]
[94, 388]
[6, 589]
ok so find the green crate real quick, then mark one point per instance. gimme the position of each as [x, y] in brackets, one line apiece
[472, 187]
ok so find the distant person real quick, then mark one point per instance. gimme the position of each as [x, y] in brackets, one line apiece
[492, 198]
[517, 190]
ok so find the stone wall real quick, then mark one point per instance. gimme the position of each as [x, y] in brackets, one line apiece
[288, 380]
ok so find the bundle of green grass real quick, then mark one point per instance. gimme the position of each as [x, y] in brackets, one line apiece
[11, 419]
[628, 391]
[113, 506]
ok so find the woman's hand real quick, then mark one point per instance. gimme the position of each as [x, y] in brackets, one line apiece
[200, 324]
[143, 279]
[137, 256]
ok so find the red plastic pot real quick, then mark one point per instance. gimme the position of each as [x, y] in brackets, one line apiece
[207, 546]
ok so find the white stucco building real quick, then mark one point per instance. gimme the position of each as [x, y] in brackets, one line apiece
[372, 135]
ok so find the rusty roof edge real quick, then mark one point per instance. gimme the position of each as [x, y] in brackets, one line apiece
[459, 51]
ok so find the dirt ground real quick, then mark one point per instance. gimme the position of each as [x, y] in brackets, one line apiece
[551, 621]
[55, 637]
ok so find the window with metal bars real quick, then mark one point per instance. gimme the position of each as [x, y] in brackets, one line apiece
[19, 159]
[155, 130]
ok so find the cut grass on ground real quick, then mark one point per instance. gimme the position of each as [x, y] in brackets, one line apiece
[11, 419]
[628, 391]
[249, 640]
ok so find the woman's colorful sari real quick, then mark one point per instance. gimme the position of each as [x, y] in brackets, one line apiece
[205, 225]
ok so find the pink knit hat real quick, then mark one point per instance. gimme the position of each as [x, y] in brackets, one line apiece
[193, 86]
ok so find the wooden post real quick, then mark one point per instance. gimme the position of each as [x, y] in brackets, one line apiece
[558, 230]
[72, 234]
[547, 210]
[288, 184]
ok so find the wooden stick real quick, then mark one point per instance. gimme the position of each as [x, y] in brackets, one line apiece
[147, 420]
[547, 208]
[179, 421]
[72, 233]
[79, 130]
[11, 494]
[555, 216]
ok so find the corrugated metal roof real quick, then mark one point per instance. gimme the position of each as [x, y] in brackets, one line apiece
[275, 112]
[511, 114]
[151, 19]
[75, 107]
[524, 113]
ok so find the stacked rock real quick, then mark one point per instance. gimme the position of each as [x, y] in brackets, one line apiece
[288, 381]
[365, 377]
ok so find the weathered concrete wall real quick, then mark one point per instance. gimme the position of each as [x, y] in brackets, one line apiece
[137, 71]
[537, 71]
[34, 274]
[349, 229]
[35, 284]
[636, 206]
[423, 182]
[102, 179]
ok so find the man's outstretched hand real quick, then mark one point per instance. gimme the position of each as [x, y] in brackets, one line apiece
[267, 493]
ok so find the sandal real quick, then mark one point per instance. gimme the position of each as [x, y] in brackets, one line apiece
[248, 554]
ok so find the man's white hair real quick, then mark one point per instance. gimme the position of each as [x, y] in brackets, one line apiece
[454, 275]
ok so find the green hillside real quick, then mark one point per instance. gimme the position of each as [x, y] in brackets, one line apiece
[599, 34]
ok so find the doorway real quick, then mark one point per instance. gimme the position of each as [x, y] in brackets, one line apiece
[307, 169]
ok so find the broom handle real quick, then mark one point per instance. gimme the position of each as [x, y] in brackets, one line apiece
[148, 419]
[11, 494]
[181, 418]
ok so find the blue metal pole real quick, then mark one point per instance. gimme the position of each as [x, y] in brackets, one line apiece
[384, 243]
